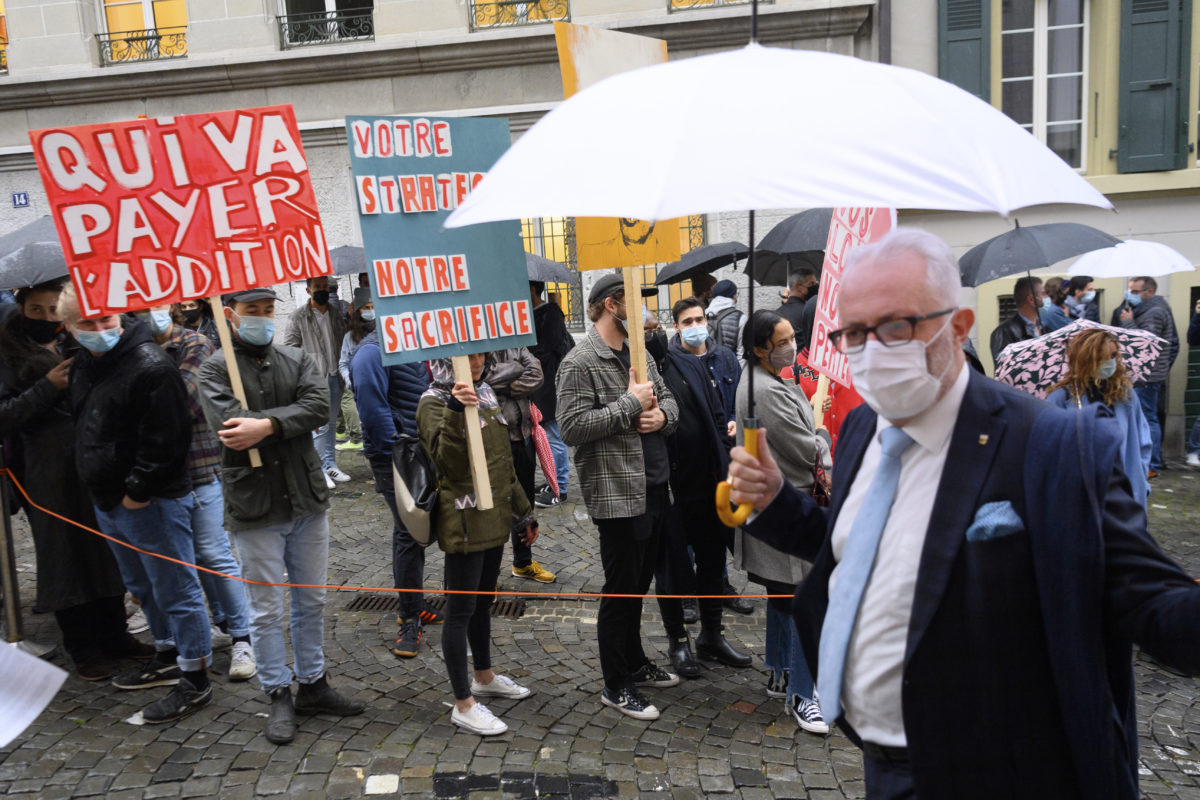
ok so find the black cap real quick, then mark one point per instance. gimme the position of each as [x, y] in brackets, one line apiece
[604, 287]
[250, 295]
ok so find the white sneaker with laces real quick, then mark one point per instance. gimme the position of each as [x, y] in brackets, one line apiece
[336, 474]
[479, 720]
[329, 484]
[242, 666]
[501, 686]
[220, 639]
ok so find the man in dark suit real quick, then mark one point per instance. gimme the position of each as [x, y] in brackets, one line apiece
[975, 630]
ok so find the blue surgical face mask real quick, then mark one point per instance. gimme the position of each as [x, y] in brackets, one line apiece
[1106, 369]
[98, 341]
[368, 315]
[1046, 302]
[1088, 296]
[1133, 298]
[694, 336]
[256, 331]
[159, 322]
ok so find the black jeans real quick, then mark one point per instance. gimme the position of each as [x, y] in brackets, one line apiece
[523, 465]
[408, 557]
[692, 523]
[628, 551]
[887, 780]
[469, 616]
[96, 627]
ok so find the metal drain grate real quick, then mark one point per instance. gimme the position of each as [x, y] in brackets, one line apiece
[509, 607]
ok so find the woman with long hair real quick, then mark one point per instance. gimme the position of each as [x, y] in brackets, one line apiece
[768, 346]
[472, 538]
[1096, 375]
[77, 576]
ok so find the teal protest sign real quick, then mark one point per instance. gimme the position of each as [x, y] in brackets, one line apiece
[438, 293]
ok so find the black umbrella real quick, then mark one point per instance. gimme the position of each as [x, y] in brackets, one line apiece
[348, 260]
[544, 270]
[798, 240]
[1024, 249]
[702, 261]
[31, 255]
[772, 269]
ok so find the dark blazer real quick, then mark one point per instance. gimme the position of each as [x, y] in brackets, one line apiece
[1018, 667]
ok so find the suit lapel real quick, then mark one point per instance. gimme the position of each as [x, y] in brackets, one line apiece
[973, 447]
[852, 444]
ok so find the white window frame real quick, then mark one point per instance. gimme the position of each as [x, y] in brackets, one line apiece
[1041, 77]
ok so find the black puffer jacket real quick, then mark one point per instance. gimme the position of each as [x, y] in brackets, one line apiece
[132, 423]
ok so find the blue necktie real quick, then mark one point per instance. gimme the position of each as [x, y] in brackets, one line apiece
[855, 569]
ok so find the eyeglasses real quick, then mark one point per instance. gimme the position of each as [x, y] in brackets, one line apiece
[891, 333]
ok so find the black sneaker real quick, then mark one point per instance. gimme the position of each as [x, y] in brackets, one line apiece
[629, 702]
[735, 603]
[650, 675]
[409, 640]
[430, 617]
[546, 498]
[152, 673]
[321, 698]
[182, 700]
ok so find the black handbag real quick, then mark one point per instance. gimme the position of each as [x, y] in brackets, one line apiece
[415, 486]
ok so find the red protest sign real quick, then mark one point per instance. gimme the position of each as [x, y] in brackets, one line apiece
[849, 228]
[156, 211]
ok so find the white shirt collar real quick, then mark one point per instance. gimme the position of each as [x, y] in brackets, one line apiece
[931, 428]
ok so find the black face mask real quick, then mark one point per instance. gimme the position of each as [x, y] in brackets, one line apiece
[320, 297]
[42, 331]
[192, 315]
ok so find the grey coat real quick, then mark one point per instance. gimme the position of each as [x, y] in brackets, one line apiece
[282, 384]
[1154, 316]
[305, 330]
[784, 411]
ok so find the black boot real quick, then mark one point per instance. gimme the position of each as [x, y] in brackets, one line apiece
[712, 646]
[690, 615]
[281, 721]
[682, 660]
[735, 603]
[321, 698]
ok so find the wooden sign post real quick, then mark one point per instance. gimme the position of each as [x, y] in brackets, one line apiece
[818, 401]
[235, 374]
[478, 458]
[633, 321]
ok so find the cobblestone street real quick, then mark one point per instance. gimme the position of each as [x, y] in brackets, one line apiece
[719, 735]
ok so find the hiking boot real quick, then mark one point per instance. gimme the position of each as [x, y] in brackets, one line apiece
[281, 719]
[242, 666]
[183, 699]
[319, 697]
[533, 571]
[409, 640]
[152, 673]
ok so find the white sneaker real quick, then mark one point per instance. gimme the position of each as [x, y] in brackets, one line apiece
[336, 474]
[808, 715]
[220, 639]
[501, 686]
[329, 484]
[1193, 459]
[478, 720]
[137, 622]
[242, 666]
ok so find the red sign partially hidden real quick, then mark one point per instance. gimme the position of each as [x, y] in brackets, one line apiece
[156, 211]
[849, 228]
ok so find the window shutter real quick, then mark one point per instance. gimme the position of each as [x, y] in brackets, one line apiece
[965, 45]
[1155, 47]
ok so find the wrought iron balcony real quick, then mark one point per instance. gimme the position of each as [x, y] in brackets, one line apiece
[326, 27]
[149, 45]
[486, 14]
[3, 57]
[685, 5]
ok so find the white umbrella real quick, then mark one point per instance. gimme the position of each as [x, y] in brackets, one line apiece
[1129, 258]
[768, 128]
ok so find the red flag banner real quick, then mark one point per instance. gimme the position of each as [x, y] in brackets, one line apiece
[849, 228]
[156, 211]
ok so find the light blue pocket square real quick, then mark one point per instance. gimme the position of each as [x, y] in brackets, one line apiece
[994, 520]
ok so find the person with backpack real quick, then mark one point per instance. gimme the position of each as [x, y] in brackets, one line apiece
[725, 320]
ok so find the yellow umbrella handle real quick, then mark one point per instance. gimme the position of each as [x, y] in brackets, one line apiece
[728, 515]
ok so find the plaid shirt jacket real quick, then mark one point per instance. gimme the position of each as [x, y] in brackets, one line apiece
[597, 414]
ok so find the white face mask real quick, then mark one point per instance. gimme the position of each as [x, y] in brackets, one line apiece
[895, 381]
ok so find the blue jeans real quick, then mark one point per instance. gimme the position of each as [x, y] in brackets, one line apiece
[562, 461]
[213, 551]
[785, 652]
[1148, 396]
[299, 548]
[1193, 444]
[325, 437]
[169, 593]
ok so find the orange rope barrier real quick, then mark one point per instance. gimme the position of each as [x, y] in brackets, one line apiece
[593, 595]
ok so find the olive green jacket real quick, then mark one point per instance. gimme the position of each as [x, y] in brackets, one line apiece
[443, 435]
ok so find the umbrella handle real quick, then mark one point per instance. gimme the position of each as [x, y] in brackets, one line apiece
[728, 515]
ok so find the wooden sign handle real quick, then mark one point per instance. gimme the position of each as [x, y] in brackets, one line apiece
[818, 401]
[479, 470]
[634, 323]
[235, 374]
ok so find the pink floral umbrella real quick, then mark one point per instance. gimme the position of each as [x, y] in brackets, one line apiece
[542, 445]
[1035, 365]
